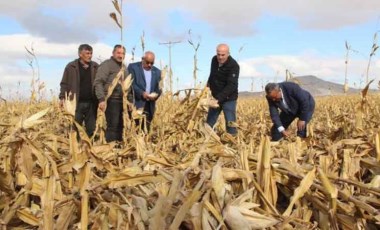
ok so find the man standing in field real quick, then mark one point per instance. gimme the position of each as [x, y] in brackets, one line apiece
[113, 107]
[223, 83]
[146, 79]
[294, 102]
[77, 81]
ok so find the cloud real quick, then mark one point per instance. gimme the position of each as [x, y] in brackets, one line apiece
[53, 57]
[83, 20]
[16, 73]
[61, 21]
[225, 17]
[332, 69]
[12, 75]
[230, 18]
[57, 30]
[248, 69]
[13, 47]
[324, 14]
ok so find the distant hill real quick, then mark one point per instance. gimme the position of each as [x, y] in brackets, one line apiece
[319, 87]
[313, 84]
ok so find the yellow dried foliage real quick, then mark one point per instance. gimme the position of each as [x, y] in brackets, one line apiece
[184, 174]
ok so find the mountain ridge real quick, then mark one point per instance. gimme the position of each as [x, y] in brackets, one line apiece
[313, 84]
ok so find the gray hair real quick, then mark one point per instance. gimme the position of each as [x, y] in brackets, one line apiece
[270, 87]
[84, 47]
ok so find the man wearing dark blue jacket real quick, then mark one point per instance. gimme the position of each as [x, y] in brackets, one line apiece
[223, 83]
[146, 79]
[294, 102]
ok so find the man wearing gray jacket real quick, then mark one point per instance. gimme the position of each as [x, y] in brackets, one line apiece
[113, 107]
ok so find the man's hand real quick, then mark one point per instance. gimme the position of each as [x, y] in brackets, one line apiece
[213, 103]
[301, 125]
[102, 106]
[285, 133]
[153, 96]
[145, 95]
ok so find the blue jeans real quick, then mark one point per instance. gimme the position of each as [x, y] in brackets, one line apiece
[229, 111]
[287, 119]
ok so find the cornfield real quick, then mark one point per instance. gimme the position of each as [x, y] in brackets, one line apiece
[184, 175]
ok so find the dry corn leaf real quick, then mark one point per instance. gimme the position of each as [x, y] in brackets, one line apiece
[27, 216]
[242, 218]
[218, 185]
[114, 17]
[304, 186]
[32, 120]
[47, 202]
[65, 216]
[116, 5]
[265, 177]
[126, 192]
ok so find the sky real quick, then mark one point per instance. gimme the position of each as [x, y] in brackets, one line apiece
[266, 37]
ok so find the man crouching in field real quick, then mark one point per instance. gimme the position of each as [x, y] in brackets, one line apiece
[77, 81]
[294, 102]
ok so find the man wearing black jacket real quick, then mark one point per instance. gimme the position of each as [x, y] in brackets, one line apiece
[77, 81]
[294, 102]
[223, 83]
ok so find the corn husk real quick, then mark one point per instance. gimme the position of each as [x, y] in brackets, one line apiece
[184, 174]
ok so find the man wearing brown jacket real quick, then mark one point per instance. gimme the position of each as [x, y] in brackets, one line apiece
[77, 81]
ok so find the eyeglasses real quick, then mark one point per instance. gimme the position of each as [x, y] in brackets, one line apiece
[149, 62]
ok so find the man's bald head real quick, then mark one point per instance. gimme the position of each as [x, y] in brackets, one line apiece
[222, 53]
[148, 60]
[223, 47]
[149, 55]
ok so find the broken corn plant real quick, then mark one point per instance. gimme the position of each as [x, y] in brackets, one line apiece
[175, 177]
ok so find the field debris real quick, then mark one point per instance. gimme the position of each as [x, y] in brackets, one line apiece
[185, 175]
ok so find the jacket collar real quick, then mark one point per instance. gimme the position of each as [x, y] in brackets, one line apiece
[153, 69]
[114, 60]
[75, 64]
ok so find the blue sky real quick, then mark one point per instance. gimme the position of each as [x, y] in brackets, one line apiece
[305, 37]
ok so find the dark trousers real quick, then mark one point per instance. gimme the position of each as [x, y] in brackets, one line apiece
[287, 119]
[86, 112]
[114, 118]
[148, 116]
[229, 111]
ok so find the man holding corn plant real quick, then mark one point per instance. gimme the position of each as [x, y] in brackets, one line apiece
[294, 102]
[112, 102]
[77, 81]
[223, 83]
[146, 79]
